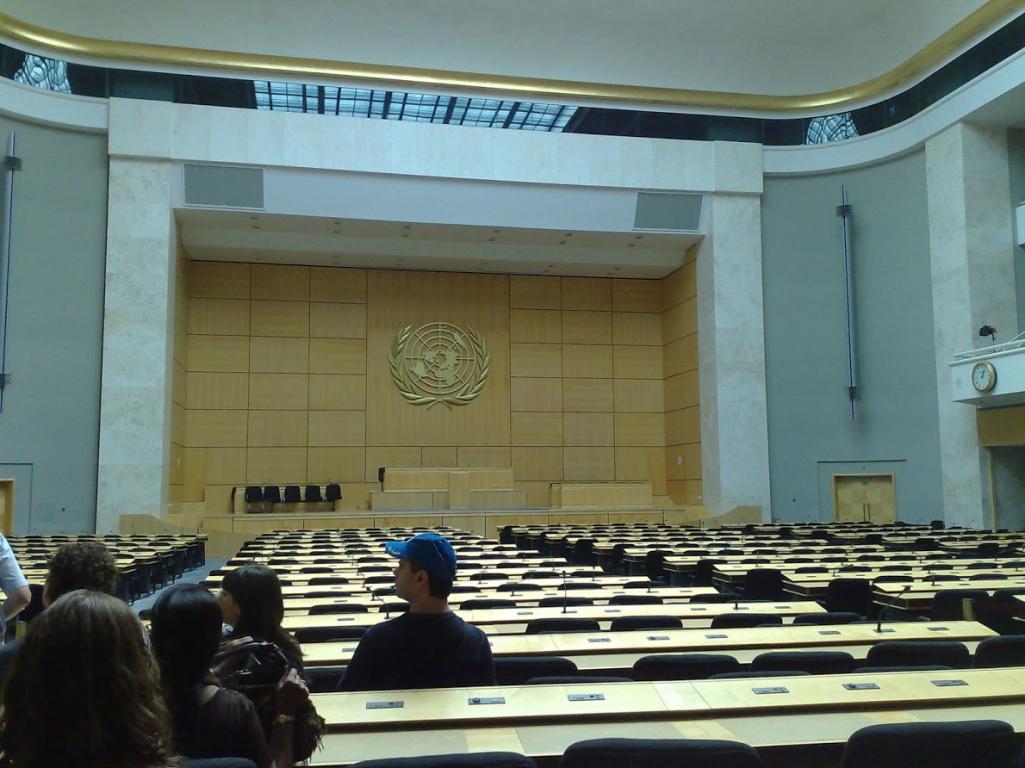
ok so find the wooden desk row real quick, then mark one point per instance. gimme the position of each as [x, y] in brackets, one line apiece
[542, 721]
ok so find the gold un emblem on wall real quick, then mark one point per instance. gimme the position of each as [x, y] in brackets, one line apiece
[439, 363]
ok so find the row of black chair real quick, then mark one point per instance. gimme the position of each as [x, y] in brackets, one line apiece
[271, 494]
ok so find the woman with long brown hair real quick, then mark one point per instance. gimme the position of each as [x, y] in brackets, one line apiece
[252, 604]
[84, 691]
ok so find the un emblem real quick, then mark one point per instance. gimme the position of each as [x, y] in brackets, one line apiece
[439, 363]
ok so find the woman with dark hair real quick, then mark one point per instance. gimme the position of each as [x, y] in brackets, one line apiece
[83, 691]
[207, 720]
[251, 603]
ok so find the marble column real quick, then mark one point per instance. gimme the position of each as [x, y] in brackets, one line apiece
[137, 337]
[731, 349]
[972, 269]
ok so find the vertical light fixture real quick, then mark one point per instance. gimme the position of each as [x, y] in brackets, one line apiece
[11, 164]
[845, 211]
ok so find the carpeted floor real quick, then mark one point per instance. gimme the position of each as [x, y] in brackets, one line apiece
[190, 577]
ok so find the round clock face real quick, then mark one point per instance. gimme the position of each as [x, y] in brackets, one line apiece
[984, 377]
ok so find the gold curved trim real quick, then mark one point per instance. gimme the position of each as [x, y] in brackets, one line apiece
[979, 22]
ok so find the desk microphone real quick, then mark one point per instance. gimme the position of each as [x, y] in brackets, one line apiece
[893, 604]
[565, 596]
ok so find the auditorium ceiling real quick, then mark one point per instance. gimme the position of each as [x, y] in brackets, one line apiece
[773, 47]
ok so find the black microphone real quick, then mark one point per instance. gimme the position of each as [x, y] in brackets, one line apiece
[893, 604]
[565, 596]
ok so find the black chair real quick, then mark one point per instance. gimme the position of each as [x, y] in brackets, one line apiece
[292, 494]
[964, 744]
[683, 666]
[703, 573]
[849, 595]
[659, 753]
[635, 600]
[908, 668]
[739, 620]
[254, 494]
[326, 609]
[814, 662]
[559, 602]
[763, 584]
[481, 603]
[830, 617]
[911, 653]
[516, 670]
[219, 762]
[333, 493]
[568, 624]
[328, 634]
[747, 673]
[518, 586]
[312, 494]
[322, 580]
[715, 597]
[573, 679]
[1007, 651]
[471, 760]
[272, 494]
[323, 679]
[637, 623]
[948, 604]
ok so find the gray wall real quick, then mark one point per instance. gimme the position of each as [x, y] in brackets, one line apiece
[1016, 160]
[49, 427]
[811, 434]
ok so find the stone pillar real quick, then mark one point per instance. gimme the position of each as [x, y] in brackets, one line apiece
[731, 351]
[137, 342]
[971, 258]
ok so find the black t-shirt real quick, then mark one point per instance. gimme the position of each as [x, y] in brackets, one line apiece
[227, 726]
[420, 650]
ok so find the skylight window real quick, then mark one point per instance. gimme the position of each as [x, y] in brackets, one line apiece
[823, 130]
[40, 72]
[412, 107]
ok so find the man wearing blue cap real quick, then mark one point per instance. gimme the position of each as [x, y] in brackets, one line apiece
[428, 646]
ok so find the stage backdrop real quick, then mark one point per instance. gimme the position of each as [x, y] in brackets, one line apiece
[282, 376]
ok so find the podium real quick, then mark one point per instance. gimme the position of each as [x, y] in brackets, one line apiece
[447, 488]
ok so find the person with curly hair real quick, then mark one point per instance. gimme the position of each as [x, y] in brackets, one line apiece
[78, 565]
[84, 691]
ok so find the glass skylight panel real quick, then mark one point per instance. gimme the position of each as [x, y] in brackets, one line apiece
[411, 107]
[823, 130]
[41, 72]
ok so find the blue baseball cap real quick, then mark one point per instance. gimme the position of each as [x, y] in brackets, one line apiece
[430, 551]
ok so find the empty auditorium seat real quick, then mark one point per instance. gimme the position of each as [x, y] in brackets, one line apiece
[637, 623]
[1007, 651]
[291, 494]
[900, 653]
[272, 494]
[568, 624]
[736, 620]
[814, 662]
[683, 666]
[471, 760]
[965, 744]
[830, 617]
[849, 595]
[312, 494]
[516, 670]
[657, 753]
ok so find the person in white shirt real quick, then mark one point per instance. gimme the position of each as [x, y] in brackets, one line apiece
[14, 585]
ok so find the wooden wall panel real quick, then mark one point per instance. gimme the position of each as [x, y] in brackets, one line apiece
[582, 327]
[536, 428]
[278, 391]
[637, 362]
[636, 296]
[194, 473]
[641, 328]
[215, 428]
[337, 428]
[281, 283]
[680, 321]
[680, 355]
[634, 463]
[389, 456]
[336, 465]
[683, 462]
[276, 465]
[334, 284]
[587, 395]
[589, 464]
[439, 456]
[498, 457]
[218, 280]
[587, 361]
[216, 390]
[537, 464]
[338, 321]
[587, 293]
[535, 292]
[588, 429]
[225, 466]
[638, 396]
[536, 394]
[681, 391]
[338, 356]
[218, 353]
[284, 428]
[222, 317]
[337, 392]
[536, 360]
[278, 355]
[478, 302]
[683, 426]
[280, 318]
[640, 429]
[1002, 426]
[537, 326]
